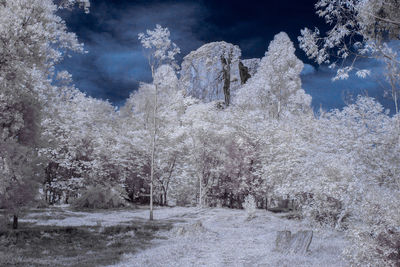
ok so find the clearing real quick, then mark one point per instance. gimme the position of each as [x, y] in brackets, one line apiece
[179, 236]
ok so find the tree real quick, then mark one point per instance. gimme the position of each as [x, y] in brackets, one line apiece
[362, 135]
[171, 107]
[33, 40]
[20, 173]
[360, 29]
[161, 51]
[342, 170]
[78, 132]
[205, 142]
[169, 137]
[276, 87]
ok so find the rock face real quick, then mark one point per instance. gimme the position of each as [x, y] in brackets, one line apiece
[298, 243]
[212, 72]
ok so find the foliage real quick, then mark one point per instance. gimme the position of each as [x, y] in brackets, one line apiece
[33, 40]
[162, 50]
[276, 87]
[359, 29]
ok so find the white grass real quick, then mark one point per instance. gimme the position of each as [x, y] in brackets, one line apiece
[208, 237]
[103, 218]
[227, 238]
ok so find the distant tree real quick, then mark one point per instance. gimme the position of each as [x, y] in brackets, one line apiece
[78, 132]
[160, 51]
[169, 136]
[276, 89]
[205, 142]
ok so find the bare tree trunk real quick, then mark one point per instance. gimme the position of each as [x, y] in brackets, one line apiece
[151, 178]
[394, 93]
[201, 193]
[15, 222]
[153, 146]
[165, 197]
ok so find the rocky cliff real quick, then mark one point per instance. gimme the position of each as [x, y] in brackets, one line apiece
[212, 72]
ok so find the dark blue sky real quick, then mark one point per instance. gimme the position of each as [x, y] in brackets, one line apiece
[114, 64]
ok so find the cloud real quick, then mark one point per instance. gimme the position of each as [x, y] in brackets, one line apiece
[330, 94]
[308, 69]
[115, 64]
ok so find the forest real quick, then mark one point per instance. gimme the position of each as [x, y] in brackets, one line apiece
[211, 132]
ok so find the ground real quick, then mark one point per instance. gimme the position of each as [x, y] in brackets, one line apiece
[179, 236]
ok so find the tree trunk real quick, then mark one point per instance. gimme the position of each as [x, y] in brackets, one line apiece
[394, 93]
[201, 193]
[15, 222]
[153, 146]
[165, 198]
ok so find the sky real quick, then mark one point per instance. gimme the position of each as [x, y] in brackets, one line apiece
[114, 64]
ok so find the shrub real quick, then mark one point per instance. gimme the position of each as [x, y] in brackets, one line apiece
[375, 239]
[250, 206]
[100, 197]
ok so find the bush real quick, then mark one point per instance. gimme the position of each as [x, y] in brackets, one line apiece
[375, 241]
[324, 211]
[3, 223]
[100, 197]
[40, 204]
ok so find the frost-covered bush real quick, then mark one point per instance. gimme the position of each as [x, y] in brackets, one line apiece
[185, 196]
[375, 233]
[323, 210]
[100, 197]
[250, 206]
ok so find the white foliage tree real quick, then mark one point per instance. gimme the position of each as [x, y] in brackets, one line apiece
[171, 104]
[160, 51]
[78, 132]
[33, 39]
[359, 29]
[204, 131]
[276, 87]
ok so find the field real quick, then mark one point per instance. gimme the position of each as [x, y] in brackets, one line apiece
[178, 236]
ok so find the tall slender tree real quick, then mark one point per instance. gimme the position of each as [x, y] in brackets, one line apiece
[160, 50]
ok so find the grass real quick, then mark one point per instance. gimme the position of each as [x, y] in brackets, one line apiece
[61, 236]
[33, 245]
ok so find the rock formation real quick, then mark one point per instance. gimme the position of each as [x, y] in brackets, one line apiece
[212, 72]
